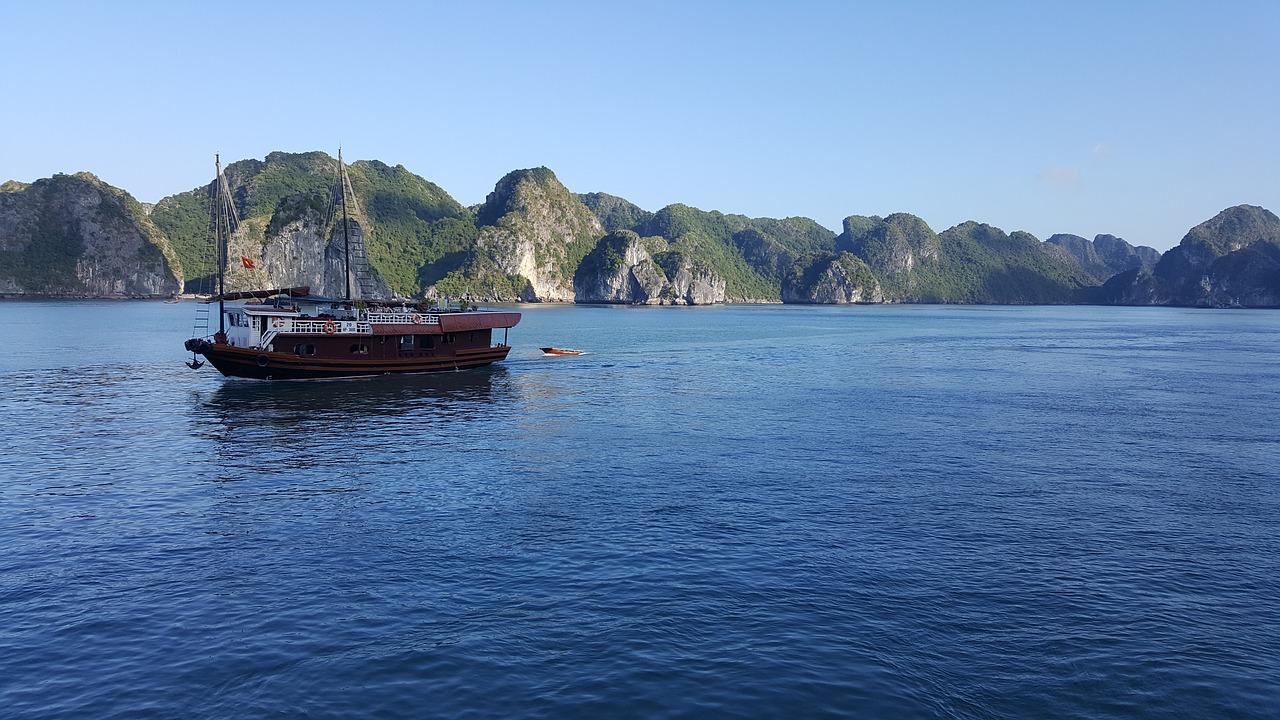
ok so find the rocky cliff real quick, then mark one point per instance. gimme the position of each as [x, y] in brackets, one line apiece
[292, 229]
[893, 248]
[969, 263]
[533, 228]
[306, 251]
[841, 279]
[614, 212]
[620, 269]
[74, 235]
[533, 240]
[1230, 260]
[1104, 256]
[750, 256]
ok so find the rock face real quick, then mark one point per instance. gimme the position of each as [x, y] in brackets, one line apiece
[621, 270]
[293, 255]
[842, 279]
[969, 263]
[614, 212]
[298, 254]
[763, 253]
[691, 284]
[533, 240]
[291, 228]
[534, 228]
[751, 256]
[1104, 256]
[1120, 255]
[892, 247]
[74, 235]
[1231, 260]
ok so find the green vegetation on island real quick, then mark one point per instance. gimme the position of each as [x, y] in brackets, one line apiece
[534, 240]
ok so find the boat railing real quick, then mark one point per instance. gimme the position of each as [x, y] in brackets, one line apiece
[319, 326]
[276, 326]
[402, 318]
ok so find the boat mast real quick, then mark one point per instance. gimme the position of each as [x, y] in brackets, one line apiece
[346, 236]
[219, 220]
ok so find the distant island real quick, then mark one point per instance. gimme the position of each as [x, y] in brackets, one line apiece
[532, 240]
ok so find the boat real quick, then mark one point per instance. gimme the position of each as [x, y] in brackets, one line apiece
[291, 334]
[558, 351]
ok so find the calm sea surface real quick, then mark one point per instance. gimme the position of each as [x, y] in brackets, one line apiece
[894, 512]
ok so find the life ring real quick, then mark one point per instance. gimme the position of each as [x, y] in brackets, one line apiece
[417, 319]
[330, 328]
[277, 323]
[263, 361]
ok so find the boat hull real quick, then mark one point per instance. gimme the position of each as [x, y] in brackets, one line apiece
[263, 365]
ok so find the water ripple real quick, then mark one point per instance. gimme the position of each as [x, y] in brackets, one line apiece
[742, 512]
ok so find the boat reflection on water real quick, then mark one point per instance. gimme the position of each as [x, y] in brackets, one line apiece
[352, 410]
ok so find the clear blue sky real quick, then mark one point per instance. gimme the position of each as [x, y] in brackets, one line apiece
[1139, 119]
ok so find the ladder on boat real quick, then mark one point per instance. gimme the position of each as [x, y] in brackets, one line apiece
[201, 328]
[222, 222]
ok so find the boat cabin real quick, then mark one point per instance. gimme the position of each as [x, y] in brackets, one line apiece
[316, 326]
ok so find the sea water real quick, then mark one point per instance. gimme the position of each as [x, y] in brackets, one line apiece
[739, 511]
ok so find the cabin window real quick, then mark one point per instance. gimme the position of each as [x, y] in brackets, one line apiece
[446, 338]
[359, 349]
[406, 342]
[426, 342]
[304, 349]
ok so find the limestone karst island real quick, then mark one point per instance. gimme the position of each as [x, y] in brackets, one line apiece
[533, 240]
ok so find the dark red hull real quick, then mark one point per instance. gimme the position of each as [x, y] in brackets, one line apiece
[261, 365]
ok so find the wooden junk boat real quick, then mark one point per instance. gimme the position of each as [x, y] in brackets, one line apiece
[290, 334]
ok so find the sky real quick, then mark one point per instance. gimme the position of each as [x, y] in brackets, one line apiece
[1124, 117]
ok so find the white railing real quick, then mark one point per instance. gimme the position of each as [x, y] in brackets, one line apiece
[276, 326]
[321, 327]
[402, 318]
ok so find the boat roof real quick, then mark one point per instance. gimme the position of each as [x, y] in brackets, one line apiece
[281, 298]
[278, 299]
[300, 291]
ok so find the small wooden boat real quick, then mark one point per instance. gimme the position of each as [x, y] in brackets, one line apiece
[558, 351]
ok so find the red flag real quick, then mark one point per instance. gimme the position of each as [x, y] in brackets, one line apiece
[247, 262]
